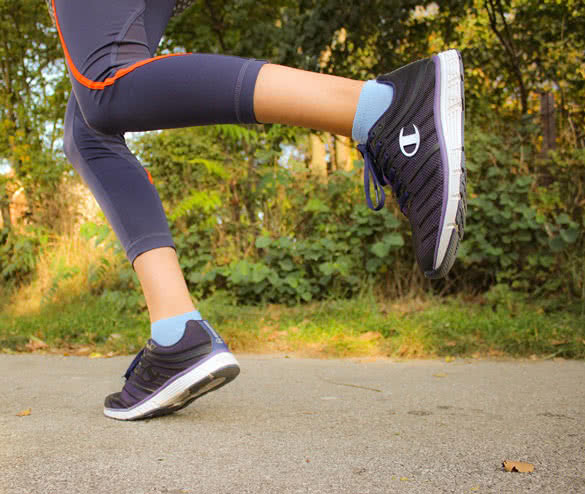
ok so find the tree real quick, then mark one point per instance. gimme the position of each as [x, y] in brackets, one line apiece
[32, 96]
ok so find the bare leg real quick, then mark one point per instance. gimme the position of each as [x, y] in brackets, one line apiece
[163, 284]
[282, 95]
[306, 99]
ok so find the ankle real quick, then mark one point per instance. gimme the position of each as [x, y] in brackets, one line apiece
[167, 332]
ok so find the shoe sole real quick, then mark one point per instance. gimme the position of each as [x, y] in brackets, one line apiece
[181, 391]
[449, 121]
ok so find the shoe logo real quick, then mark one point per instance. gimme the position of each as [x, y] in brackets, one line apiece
[409, 140]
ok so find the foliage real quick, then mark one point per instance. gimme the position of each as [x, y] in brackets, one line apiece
[246, 212]
[268, 232]
[32, 101]
[518, 232]
[19, 253]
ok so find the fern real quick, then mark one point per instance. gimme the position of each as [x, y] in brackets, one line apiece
[213, 167]
[237, 133]
[206, 201]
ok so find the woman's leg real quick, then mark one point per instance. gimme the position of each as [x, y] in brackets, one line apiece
[415, 145]
[163, 284]
[133, 208]
[306, 99]
[103, 37]
[186, 357]
[120, 88]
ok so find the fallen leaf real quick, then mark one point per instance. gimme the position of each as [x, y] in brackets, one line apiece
[518, 466]
[448, 359]
[24, 413]
[440, 374]
[35, 344]
[404, 479]
[84, 350]
[96, 355]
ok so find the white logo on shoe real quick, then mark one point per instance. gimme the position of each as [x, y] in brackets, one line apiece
[409, 140]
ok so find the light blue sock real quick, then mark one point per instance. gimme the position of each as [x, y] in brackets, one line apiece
[167, 332]
[375, 99]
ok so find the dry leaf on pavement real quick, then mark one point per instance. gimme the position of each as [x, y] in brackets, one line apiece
[518, 466]
[24, 413]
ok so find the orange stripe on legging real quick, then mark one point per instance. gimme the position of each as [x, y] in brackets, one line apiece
[110, 80]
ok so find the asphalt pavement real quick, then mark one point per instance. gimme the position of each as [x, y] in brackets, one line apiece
[289, 425]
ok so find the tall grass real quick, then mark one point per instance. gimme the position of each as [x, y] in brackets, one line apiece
[68, 267]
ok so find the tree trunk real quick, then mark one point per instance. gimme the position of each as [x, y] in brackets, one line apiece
[547, 118]
[5, 212]
[343, 153]
[318, 157]
[5, 206]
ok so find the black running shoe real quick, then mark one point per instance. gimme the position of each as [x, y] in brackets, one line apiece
[416, 147]
[164, 379]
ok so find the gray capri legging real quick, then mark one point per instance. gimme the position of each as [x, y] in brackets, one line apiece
[118, 87]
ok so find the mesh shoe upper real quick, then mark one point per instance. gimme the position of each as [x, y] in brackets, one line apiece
[403, 151]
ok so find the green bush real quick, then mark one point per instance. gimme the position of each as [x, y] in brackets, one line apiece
[335, 250]
[519, 232]
[267, 230]
[19, 253]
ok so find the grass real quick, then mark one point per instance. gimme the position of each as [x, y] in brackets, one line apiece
[406, 328]
[81, 302]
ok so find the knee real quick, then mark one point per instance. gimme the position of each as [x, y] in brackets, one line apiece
[95, 110]
[99, 118]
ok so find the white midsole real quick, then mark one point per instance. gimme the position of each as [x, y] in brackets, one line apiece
[451, 108]
[171, 392]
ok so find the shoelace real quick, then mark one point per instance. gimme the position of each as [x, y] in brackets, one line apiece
[369, 171]
[134, 363]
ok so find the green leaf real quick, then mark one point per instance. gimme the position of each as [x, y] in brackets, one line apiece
[381, 249]
[293, 281]
[327, 268]
[394, 239]
[373, 265]
[286, 264]
[556, 244]
[570, 235]
[263, 242]
[316, 206]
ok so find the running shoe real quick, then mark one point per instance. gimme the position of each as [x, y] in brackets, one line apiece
[164, 379]
[416, 147]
